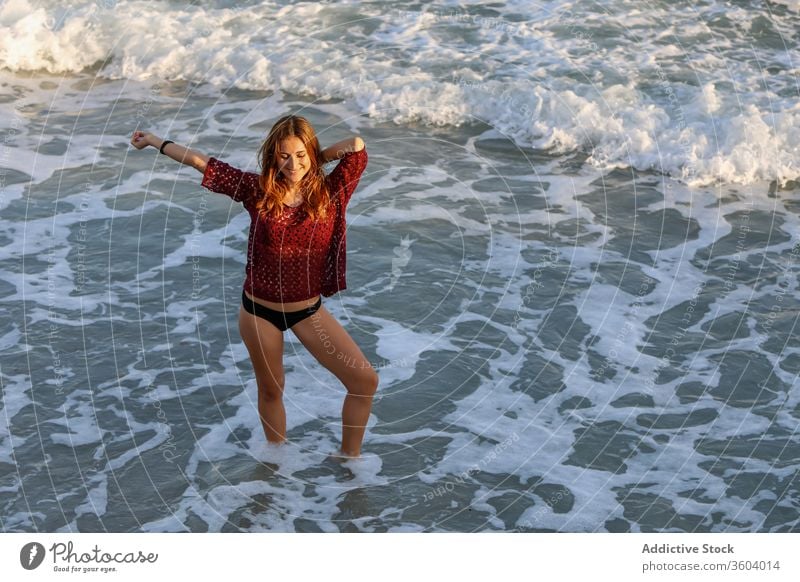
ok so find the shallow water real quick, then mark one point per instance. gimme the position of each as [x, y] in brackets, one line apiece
[560, 347]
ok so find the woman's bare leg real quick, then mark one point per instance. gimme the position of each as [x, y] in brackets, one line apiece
[333, 347]
[264, 342]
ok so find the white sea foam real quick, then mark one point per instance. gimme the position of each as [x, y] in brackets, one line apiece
[629, 92]
[476, 251]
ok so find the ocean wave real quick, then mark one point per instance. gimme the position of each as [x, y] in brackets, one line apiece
[702, 92]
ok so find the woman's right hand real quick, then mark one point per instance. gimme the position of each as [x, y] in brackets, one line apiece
[141, 139]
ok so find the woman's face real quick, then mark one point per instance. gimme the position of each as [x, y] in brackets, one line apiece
[293, 159]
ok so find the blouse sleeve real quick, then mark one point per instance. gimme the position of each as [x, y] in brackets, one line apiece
[345, 176]
[225, 179]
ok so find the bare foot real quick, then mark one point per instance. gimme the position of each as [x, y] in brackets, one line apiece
[342, 457]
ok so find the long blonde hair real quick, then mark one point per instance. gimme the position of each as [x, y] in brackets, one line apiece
[316, 197]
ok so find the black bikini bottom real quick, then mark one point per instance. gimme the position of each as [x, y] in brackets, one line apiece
[283, 320]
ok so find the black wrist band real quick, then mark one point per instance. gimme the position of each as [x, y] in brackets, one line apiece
[161, 149]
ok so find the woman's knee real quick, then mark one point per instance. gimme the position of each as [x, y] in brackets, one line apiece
[365, 384]
[270, 386]
[270, 394]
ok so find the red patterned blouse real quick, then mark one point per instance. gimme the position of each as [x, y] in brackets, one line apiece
[292, 258]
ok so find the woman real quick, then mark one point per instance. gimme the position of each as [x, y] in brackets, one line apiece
[295, 255]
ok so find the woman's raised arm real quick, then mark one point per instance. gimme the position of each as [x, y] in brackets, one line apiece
[198, 161]
[340, 148]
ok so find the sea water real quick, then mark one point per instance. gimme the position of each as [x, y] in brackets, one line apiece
[572, 259]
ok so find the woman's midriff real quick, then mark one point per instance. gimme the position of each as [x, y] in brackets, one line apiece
[287, 307]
